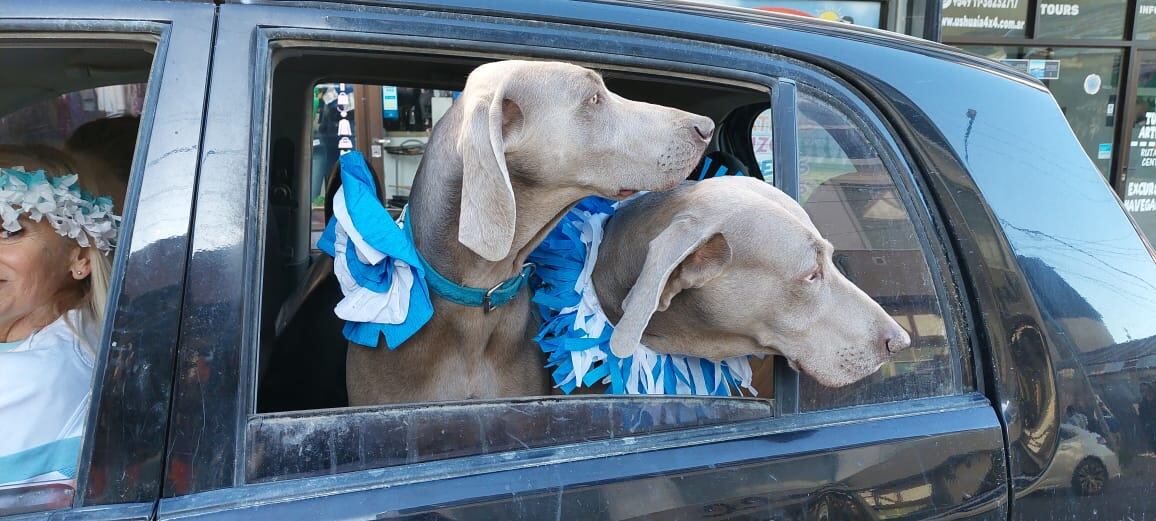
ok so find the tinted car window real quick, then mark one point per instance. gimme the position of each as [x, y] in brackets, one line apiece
[55, 119]
[849, 194]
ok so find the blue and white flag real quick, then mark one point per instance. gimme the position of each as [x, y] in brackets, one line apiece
[376, 262]
[575, 334]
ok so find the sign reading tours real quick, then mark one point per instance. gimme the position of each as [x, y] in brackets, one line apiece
[996, 18]
[1081, 19]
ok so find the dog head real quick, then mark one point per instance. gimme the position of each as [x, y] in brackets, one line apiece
[555, 126]
[735, 267]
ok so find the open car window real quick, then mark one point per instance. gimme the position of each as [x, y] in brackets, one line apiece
[390, 122]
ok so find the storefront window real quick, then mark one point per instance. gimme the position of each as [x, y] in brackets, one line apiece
[1085, 83]
[1139, 190]
[984, 18]
[1145, 28]
[1103, 19]
[859, 12]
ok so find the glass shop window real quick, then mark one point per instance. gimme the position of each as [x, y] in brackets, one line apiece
[1145, 20]
[395, 127]
[1086, 83]
[850, 196]
[1092, 19]
[70, 110]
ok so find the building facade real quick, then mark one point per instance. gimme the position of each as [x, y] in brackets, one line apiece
[1098, 57]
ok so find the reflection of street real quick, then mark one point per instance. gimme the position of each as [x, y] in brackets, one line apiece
[1122, 498]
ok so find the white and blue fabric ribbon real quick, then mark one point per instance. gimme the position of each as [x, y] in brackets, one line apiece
[575, 334]
[380, 270]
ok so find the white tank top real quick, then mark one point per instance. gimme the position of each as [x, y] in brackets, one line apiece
[45, 390]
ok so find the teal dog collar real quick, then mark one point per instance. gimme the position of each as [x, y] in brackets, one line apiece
[484, 298]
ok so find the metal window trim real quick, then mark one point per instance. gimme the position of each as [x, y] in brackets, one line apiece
[270, 40]
[784, 122]
[253, 495]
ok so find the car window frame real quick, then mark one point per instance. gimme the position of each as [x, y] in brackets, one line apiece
[377, 28]
[157, 154]
[296, 39]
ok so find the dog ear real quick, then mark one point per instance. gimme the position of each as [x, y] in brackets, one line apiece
[486, 222]
[685, 255]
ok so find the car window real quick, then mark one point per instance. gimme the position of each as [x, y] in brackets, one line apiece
[762, 144]
[389, 121]
[849, 193]
[56, 121]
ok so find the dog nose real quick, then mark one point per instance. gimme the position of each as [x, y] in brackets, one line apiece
[893, 340]
[704, 128]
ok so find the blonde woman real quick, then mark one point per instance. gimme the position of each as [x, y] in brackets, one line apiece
[56, 242]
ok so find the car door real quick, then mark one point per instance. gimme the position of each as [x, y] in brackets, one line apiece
[917, 439]
[67, 63]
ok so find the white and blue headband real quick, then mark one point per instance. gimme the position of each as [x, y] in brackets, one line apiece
[71, 211]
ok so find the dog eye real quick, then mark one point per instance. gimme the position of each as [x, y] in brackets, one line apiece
[594, 99]
[815, 275]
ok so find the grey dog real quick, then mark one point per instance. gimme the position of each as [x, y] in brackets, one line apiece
[732, 266]
[525, 141]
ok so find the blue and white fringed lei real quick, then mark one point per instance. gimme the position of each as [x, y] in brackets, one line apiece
[381, 275]
[575, 334]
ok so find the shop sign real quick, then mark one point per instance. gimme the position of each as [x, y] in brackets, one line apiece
[857, 12]
[1092, 84]
[1145, 20]
[1081, 19]
[762, 142]
[1039, 69]
[1104, 151]
[1139, 190]
[389, 102]
[998, 18]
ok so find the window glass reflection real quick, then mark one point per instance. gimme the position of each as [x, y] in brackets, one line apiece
[851, 198]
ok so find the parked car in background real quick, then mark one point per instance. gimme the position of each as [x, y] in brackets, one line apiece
[951, 187]
[1082, 462]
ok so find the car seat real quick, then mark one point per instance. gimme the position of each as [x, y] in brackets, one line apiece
[719, 163]
[306, 368]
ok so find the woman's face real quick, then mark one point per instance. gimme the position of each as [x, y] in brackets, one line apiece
[36, 263]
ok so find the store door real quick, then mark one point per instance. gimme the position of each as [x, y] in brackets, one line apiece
[1139, 178]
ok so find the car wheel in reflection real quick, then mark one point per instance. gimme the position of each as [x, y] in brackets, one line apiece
[1090, 477]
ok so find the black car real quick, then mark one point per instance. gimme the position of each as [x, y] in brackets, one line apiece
[952, 188]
